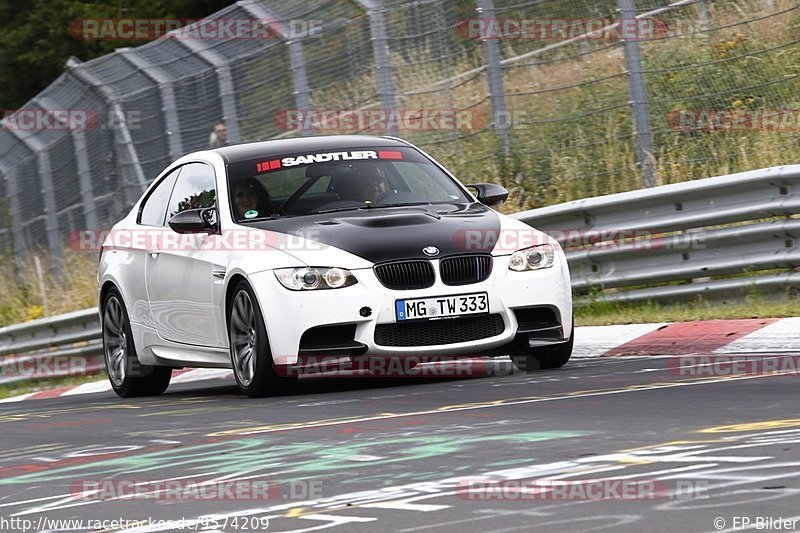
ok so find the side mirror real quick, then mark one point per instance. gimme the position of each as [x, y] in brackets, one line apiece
[490, 194]
[202, 220]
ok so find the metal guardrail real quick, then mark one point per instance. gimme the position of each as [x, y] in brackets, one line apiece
[624, 244]
[58, 346]
[629, 244]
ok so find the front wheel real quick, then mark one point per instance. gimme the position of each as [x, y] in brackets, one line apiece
[129, 378]
[251, 357]
[549, 357]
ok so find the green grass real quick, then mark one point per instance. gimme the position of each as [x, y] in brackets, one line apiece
[22, 300]
[606, 313]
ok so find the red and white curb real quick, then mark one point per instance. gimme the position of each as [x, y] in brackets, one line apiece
[748, 336]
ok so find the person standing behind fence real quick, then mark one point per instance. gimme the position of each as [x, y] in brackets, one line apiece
[219, 135]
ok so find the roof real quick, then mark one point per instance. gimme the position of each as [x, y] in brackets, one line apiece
[280, 147]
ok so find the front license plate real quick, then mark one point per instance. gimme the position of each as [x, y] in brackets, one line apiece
[442, 306]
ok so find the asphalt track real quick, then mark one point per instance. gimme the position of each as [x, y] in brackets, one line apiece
[379, 454]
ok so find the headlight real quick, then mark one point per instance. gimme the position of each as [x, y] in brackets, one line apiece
[310, 278]
[534, 258]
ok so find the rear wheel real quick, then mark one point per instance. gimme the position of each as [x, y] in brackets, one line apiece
[251, 357]
[549, 357]
[128, 377]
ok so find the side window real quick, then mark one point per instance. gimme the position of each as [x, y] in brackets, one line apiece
[155, 206]
[193, 189]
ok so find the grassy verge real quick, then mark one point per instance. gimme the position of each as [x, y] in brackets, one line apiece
[23, 300]
[603, 313]
[24, 387]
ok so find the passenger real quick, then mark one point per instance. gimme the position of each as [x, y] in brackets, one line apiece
[251, 200]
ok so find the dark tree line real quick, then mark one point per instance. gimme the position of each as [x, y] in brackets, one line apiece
[35, 41]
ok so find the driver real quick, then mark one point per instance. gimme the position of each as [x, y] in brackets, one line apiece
[371, 187]
[370, 183]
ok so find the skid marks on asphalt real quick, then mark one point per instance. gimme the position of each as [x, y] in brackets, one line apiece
[724, 465]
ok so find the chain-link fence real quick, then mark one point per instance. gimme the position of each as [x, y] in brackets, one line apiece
[555, 99]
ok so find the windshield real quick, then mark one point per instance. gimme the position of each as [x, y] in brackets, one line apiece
[304, 184]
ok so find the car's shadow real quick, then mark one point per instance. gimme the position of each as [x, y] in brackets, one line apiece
[333, 383]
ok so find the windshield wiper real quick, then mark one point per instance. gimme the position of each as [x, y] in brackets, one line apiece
[403, 204]
[367, 206]
[335, 209]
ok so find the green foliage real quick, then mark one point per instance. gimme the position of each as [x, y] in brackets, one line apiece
[196, 201]
[35, 41]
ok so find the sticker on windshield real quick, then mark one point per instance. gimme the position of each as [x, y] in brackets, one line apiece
[325, 157]
[268, 165]
[251, 214]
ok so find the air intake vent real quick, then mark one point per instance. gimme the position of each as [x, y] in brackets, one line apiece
[465, 269]
[438, 332]
[405, 275]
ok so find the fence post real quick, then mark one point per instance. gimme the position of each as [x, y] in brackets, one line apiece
[380, 52]
[46, 179]
[640, 107]
[75, 67]
[84, 170]
[12, 189]
[494, 79]
[227, 93]
[168, 104]
[297, 61]
[302, 94]
[703, 12]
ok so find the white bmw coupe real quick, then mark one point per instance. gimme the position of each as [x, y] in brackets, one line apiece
[258, 256]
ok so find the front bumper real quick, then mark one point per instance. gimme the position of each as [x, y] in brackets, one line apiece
[288, 314]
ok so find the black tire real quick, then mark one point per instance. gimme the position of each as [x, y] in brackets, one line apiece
[255, 373]
[128, 377]
[545, 358]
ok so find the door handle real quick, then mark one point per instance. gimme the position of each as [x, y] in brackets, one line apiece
[154, 255]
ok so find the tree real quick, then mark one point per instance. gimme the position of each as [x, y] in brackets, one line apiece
[35, 41]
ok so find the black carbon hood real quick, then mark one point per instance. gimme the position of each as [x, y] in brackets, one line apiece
[396, 233]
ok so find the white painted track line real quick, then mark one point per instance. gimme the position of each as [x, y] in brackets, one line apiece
[779, 337]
